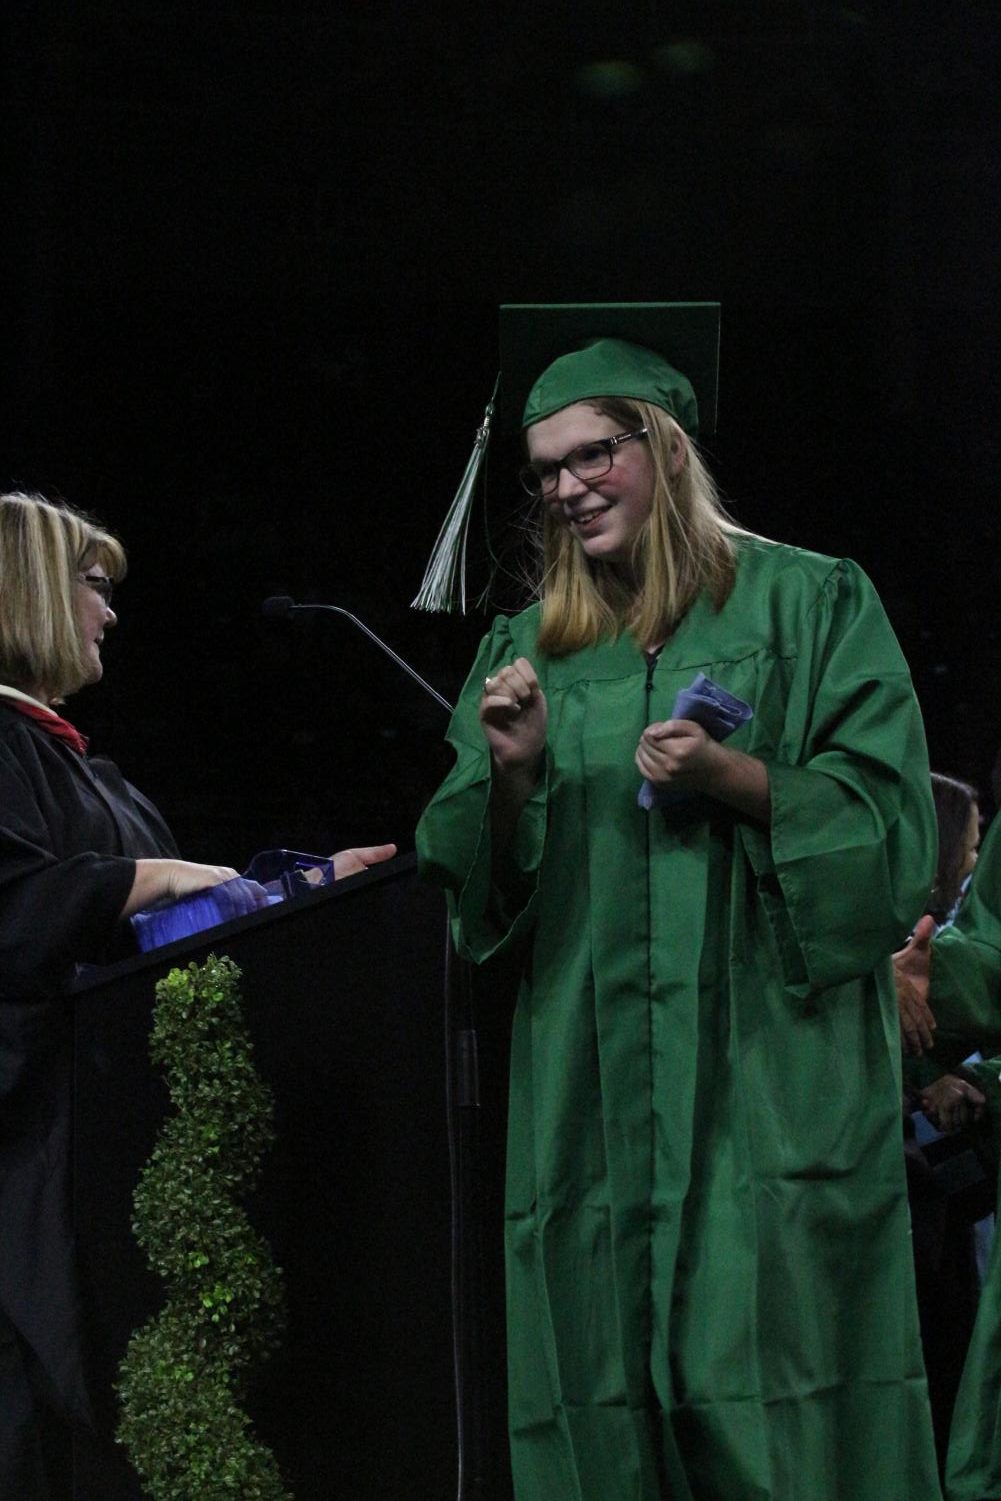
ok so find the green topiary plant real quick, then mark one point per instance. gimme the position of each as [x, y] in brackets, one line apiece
[182, 1377]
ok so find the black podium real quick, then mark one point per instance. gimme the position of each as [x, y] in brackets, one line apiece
[343, 998]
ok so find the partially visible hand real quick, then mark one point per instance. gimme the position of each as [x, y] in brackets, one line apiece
[951, 1103]
[680, 752]
[350, 862]
[514, 714]
[912, 975]
[185, 877]
[161, 880]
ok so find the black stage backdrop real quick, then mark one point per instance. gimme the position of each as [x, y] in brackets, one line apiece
[252, 258]
[253, 254]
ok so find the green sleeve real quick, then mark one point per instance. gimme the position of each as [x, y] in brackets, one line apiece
[965, 994]
[848, 860]
[453, 836]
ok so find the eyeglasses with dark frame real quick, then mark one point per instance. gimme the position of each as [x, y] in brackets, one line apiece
[100, 583]
[587, 462]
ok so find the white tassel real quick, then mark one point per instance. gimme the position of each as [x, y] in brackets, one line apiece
[443, 586]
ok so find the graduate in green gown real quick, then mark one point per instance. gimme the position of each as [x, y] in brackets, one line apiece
[960, 1010]
[710, 1291]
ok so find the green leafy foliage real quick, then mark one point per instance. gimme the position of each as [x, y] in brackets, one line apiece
[182, 1377]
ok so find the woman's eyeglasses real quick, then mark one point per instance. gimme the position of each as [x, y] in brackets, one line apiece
[100, 583]
[589, 461]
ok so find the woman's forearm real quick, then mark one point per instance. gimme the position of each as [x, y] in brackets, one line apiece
[741, 781]
[511, 788]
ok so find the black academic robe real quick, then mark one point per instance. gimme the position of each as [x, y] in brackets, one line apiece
[71, 829]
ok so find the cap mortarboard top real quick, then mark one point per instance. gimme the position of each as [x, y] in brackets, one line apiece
[553, 354]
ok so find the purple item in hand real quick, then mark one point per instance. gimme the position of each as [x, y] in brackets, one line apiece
[718, 712]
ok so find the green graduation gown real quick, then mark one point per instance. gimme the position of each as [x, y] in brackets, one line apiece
[965, 998]
[965, 994]
[710, 1292]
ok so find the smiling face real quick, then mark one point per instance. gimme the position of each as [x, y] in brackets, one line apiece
[607, 514]
[94, 617]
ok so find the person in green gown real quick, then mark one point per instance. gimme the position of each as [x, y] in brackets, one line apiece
[709, 1286]
[949, 987]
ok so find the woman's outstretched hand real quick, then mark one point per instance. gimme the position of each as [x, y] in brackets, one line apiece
[350, 862]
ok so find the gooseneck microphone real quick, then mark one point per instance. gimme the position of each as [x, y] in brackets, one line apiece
[281, 607]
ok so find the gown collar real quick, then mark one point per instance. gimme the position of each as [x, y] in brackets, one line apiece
[47, 719]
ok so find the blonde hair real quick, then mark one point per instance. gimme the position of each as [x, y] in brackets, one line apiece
[44, 545]
[684, 546]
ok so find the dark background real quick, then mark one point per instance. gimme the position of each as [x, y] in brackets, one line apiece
[253, 255]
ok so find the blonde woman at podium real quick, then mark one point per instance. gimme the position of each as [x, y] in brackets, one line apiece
[80, 851]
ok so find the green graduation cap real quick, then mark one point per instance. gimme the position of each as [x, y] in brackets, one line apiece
[553, 354]
[663, 352]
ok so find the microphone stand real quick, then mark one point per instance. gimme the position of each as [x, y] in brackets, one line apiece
[462, 1108]
[280, 607]
[462, 1104]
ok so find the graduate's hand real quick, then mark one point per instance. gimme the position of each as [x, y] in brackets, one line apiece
[350, 862]
[951, 1103]
[514, 714]
[681, 753]
[912, 975]
[678, 752]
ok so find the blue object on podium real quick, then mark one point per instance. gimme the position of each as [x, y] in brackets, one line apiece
[272, 876]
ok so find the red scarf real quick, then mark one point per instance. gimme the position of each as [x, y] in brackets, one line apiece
[51, 723]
